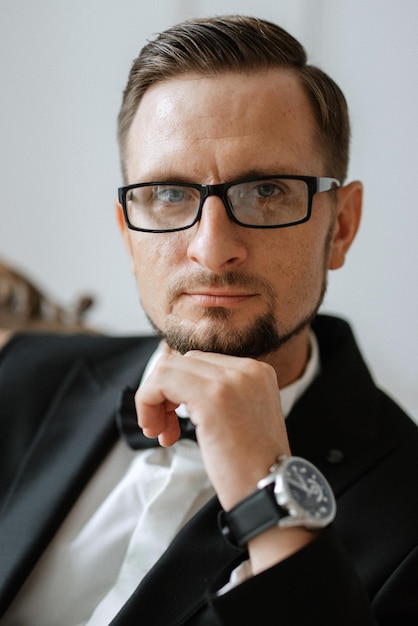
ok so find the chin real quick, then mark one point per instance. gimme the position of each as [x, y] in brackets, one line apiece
[220, 336]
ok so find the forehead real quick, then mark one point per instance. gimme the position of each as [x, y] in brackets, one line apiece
[224, 126]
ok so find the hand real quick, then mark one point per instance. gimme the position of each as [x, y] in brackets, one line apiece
[235, 405]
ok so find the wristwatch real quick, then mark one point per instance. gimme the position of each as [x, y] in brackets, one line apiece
[294, 493]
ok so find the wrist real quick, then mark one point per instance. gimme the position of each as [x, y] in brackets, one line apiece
[277, 544]
[293, 494]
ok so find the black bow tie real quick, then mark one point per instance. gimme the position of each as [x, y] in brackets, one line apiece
[126, 421]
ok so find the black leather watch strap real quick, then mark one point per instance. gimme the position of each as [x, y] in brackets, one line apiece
[250, 517]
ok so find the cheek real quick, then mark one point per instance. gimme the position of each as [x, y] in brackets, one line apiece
[298, 267]
[155, 259]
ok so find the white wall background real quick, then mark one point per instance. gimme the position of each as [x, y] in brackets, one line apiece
[62, 71]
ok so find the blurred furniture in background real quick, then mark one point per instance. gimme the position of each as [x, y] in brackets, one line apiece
[24, 307]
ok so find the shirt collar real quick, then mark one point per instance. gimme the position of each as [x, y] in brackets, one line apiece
[291, 393]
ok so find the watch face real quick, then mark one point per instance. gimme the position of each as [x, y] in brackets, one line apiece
[306, 493]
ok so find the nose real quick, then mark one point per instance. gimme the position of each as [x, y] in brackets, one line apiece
[217, 243]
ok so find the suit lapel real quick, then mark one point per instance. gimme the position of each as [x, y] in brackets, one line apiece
[75, 436]
[335, 424]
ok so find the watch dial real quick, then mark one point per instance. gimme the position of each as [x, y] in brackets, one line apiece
[309, 490]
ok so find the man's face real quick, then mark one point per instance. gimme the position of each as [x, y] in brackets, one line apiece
[219, 286]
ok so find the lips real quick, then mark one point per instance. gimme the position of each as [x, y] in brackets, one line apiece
[227, 290]
[218, 298]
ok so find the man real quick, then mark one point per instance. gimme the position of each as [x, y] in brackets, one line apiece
[234, 154]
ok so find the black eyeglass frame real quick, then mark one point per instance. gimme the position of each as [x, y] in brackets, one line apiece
[315, 184]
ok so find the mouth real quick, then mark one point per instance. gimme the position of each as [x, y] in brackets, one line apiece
[218, 298]
[228, 292]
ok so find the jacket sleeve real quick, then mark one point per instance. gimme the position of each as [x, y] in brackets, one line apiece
[316, 586]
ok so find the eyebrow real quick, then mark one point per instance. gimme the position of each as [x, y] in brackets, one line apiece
[173, 177]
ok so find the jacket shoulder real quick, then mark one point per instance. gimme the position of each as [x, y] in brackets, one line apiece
[37, 361]
[47, 347]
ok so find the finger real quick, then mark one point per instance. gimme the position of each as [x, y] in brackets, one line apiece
[167, 429]
[153, 412]
[171, 433]
[223, 360]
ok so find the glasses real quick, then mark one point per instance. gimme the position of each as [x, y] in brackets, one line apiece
[262, 202]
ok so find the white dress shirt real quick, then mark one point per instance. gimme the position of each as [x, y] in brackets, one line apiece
[120, 525]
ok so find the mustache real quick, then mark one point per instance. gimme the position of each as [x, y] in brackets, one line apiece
[250, 283]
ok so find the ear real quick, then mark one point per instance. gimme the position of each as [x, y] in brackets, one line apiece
[349, 204]
[124, 231]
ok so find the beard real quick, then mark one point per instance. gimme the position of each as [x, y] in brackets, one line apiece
[255, 340]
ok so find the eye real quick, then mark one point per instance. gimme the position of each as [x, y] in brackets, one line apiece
[257, 191]
[267, 190]
[170, 194]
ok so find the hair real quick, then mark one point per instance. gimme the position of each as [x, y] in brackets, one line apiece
[235, 43]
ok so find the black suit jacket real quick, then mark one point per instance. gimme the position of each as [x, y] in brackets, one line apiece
[57, 403]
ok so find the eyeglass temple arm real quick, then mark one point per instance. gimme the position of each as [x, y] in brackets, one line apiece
[325, 184]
